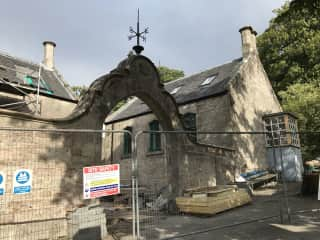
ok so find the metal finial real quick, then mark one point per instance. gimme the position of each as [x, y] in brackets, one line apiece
[138, 48]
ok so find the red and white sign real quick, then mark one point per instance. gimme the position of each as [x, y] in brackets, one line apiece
[99, 181]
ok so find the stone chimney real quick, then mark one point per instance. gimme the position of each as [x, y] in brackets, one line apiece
[248, 38]
[48, 58]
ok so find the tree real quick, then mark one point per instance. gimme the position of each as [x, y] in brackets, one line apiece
[289, 48]
[303, 99]
[79, 91]
[290, 52]
[169, 74]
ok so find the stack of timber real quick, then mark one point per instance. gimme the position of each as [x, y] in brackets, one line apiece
[212, 200]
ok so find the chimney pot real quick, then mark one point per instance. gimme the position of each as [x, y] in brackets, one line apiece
[248, 38]
[48, 59]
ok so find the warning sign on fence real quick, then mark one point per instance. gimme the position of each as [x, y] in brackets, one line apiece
[2, 183]
[99, 181]
[22, 181]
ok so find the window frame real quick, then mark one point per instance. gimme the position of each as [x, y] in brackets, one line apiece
[154, 138]
[281, 131]
[33, 82]
[190, 127]
[127, 143]
[208, 80]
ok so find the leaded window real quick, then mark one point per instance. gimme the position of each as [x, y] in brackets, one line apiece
[154, 137]
[190, 124]
[127, 142]
[281, 130]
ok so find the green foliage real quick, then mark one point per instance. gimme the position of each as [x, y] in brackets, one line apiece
[120, 104]
[169, 74]
[289, 48]
[303, 99]
[290, 52]
[79, 91]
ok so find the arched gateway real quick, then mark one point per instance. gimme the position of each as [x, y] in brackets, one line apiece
[135, 76]
[56, 150]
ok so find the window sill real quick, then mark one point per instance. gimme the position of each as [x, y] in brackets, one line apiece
[154, 153]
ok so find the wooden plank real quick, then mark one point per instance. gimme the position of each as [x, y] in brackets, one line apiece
[213, 205]
[212, 189]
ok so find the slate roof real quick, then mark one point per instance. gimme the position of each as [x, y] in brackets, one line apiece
[190, 90]
[14, 70]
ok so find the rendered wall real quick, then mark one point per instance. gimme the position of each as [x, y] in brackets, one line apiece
[288, 160]
[252, 97]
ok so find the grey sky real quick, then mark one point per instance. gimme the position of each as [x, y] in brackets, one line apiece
[91, 36]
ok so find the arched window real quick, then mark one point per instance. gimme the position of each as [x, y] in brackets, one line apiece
[190, 124]
[127, 143]
[154, 138]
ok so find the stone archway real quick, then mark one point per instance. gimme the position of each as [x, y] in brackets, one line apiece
[135, 76]
[64, 146]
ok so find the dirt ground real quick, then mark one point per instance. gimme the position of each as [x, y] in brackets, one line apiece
[265, 203]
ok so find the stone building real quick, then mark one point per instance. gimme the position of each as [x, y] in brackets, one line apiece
[234, 96]
[19, 86]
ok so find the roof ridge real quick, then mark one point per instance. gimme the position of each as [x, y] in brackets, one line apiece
[6, 54]
[57, 79]
[192, 91]
[198, 73]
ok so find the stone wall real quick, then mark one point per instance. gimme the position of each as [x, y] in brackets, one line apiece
[56, 157]
[56, 163]
[212, 114]
[55, 108]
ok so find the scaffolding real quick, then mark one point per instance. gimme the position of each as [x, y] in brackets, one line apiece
[29, 99]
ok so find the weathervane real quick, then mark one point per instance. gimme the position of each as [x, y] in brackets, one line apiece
[138, 48]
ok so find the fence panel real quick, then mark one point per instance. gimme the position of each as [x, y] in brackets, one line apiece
[41, 185]
[41, 189]
[271, 174]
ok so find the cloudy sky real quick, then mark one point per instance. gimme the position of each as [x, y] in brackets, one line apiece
[91, 35]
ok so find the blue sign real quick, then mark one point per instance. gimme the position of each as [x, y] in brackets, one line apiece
[22, 177]
[2, 183]
[22, 181]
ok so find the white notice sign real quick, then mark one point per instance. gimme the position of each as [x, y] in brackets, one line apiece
[22, 181]
[99, 181]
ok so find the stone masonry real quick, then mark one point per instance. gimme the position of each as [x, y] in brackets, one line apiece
[55, 208]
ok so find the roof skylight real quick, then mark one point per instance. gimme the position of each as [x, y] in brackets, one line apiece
[208, 80]
[175, 90]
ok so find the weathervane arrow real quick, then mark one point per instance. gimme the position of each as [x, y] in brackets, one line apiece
[137, 34]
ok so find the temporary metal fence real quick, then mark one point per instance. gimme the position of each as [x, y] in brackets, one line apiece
[41, 189]
[286, 196]
[52, 206]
